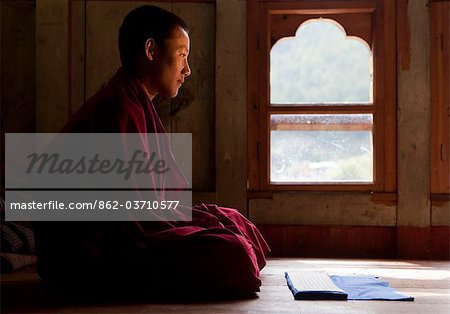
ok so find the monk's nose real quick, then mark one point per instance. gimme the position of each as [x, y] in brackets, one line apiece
[186, 70]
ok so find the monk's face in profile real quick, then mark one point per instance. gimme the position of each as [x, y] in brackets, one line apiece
[171, 63]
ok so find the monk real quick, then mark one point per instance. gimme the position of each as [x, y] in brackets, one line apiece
[219, 250]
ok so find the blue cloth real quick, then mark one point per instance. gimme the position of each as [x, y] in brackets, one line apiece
[368, 288]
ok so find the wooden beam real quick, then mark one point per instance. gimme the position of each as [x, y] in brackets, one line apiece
[403, 34]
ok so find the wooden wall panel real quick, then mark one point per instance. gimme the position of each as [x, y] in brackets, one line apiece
[319, 208]
[413, 123]
[51, 65]
[440, 214]
[357, 241]
[18, 66]
[76, 58]
[193, 110]
[330, 241]
[231, 98]
[440, 242]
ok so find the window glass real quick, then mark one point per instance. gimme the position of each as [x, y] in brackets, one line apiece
[321, 148]
[320, 65]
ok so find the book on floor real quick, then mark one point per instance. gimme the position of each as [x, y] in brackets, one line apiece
[313, 285]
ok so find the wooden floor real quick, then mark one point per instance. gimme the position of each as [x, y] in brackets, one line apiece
[427, 281]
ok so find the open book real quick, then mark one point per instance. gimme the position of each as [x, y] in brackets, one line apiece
[313, 285]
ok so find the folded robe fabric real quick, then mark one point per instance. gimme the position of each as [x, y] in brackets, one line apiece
[16, 238]
[13, 261]
[219, 248]
[16, 246]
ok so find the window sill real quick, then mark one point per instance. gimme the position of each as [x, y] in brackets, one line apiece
[439, 199]
[388, 199]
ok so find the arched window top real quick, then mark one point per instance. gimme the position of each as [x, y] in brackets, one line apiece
[321, 65]
[327, 25]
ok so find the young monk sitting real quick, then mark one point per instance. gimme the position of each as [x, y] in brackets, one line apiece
[218, 250]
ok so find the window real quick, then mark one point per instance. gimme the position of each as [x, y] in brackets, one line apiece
[321, 79]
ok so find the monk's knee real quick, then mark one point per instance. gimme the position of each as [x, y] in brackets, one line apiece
[237, 262]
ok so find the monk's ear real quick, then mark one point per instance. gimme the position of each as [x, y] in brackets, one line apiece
[150, 48]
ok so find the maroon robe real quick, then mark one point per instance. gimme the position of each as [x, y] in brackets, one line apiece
[218, 250]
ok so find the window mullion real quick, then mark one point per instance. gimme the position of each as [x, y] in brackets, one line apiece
[328, 109]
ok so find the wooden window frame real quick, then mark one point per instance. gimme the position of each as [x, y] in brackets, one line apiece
[384, 56]
[440, 101]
